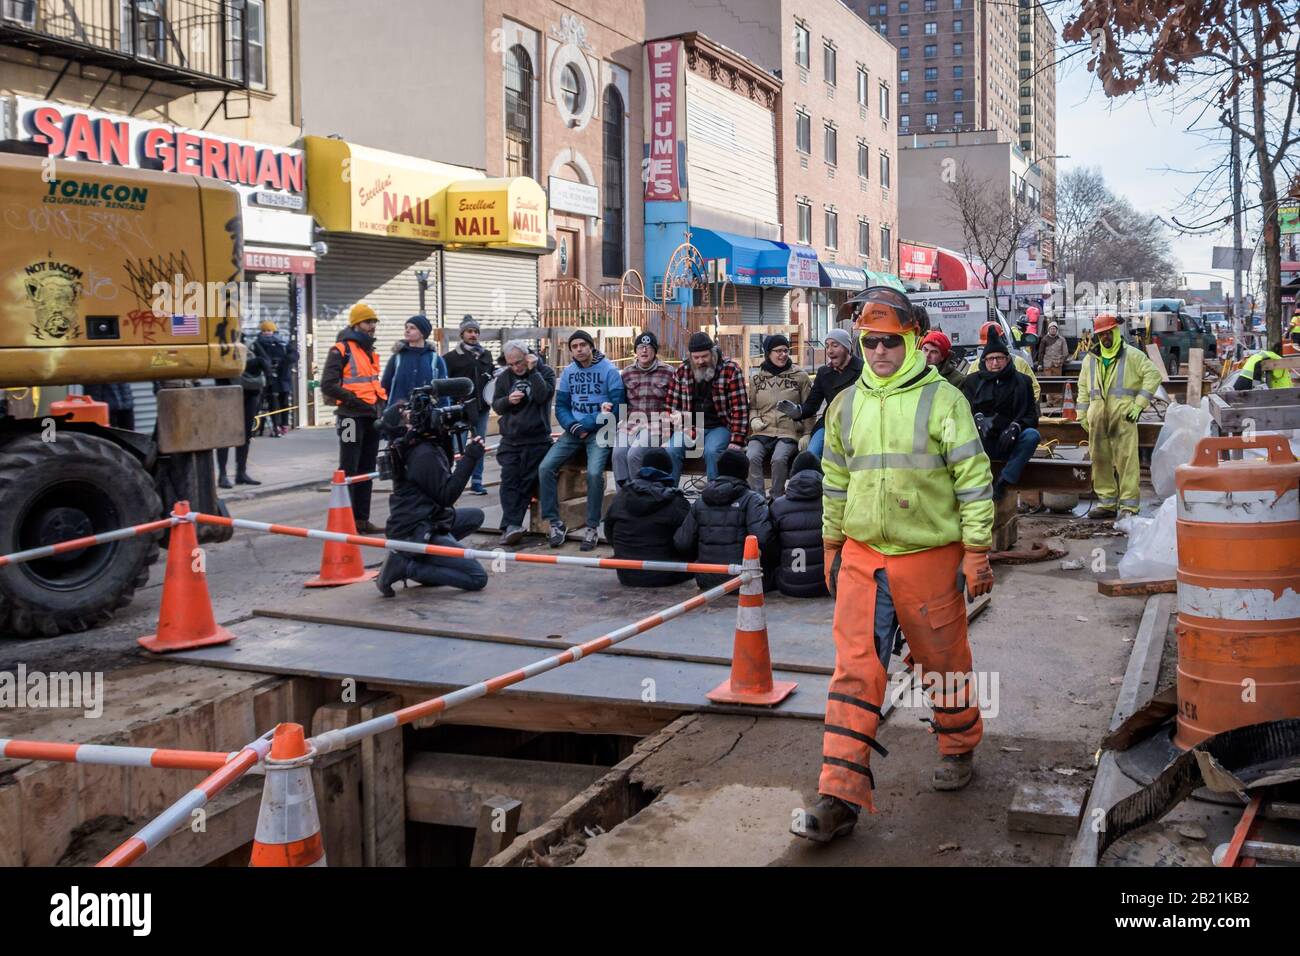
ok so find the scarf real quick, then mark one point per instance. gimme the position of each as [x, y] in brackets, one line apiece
[771, 369]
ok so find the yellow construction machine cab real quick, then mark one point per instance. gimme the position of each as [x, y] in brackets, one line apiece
[116, 275]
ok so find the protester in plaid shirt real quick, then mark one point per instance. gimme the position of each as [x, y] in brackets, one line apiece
[709, 391]
[646, 382]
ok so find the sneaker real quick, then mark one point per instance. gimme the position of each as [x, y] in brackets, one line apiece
[511, 536]
[558, 534]
[477, 490]
[954, 771]
[828, 818]
[224, 482]
[590, 538]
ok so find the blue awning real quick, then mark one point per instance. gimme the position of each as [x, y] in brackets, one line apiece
[759, 262]
[836, 276]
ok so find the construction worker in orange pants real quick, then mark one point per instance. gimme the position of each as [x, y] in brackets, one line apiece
[907, 507]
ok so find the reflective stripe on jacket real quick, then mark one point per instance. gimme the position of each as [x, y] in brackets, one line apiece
[360, 372]
[904, 468]
[1134, 378]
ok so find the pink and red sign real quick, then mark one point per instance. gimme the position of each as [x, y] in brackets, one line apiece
[665, 120]
[916, 262]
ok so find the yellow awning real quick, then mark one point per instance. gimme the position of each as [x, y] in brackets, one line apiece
[353, 188]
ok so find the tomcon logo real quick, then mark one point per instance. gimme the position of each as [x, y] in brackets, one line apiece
[77, 909]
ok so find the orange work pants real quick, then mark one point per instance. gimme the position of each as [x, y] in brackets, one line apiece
[932, 614]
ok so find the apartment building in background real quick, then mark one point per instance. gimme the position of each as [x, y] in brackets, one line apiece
[1037, 72]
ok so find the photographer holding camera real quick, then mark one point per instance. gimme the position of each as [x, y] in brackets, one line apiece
[425, 489]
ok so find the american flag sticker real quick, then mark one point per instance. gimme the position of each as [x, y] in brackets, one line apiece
[185, 325]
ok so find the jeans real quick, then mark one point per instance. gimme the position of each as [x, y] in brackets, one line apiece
[436, 571]
[627, 457]
[519, 464]
[548, 476]
[716, 441]
[480, 428]
[782, 451]
[886, 620]
[818, 441]
[1024, 450]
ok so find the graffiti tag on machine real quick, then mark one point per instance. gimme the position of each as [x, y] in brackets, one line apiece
[53, 289]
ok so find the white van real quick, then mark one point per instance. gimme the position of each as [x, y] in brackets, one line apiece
[960, 315]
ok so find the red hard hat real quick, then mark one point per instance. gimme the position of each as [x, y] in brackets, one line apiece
[1104, 322]
[988, 327]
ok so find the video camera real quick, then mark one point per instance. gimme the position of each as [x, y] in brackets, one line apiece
[421, 417]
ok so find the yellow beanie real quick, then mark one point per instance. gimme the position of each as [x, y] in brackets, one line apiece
[267, 325]
[361, 313]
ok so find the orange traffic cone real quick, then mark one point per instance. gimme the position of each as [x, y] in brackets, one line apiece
[185, 619]
[288, 826]
[1069, 413]
[751, 663]
[340, 563]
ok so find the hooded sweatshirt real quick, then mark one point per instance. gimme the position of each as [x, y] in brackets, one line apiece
[411, 367]
[581, 391]
[640, 524]
[715, 528]
[797, 530]
[768, 386]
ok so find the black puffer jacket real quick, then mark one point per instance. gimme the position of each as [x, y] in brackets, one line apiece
[797, 528]
[640, 524]
[715, 528]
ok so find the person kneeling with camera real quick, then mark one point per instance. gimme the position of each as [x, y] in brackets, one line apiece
[420, 508]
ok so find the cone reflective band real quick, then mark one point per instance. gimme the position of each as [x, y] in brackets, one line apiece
[185, 618]
[340, 563]
[288, 826]
[751, 661]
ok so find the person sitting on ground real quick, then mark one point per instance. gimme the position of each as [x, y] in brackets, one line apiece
[1052, 351]
[938, 352]
[414, 362]
[646, 382]
[797, 555]
[642, 519]
[521, 397]
[772, 432]
[727, 511]
[1006, 414]
[709, 405]
[841, 370]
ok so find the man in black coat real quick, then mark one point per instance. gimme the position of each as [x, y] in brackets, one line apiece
[1006, 413]
[644, 516]
[797, 561]
[471, 360]
[726, 512]
[521, 397]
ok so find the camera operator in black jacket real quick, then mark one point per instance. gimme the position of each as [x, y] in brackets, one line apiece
[420, 508]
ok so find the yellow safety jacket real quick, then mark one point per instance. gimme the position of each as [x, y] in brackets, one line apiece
[1277, 378]
[904, 468]
[1026, 369]
[1132, 380]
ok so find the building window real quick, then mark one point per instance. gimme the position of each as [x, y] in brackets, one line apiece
[864, 159]
[884, 101]
[1025, 109]
[904, 52]
[828, 63]
[804, 211]
[931, 49]
[904, 99]
[957, 26]
[1026, 127]
[931, 73]
[903, 7]
[801, 50]
[144, 27]
[1024, 19]
[254, 16]
[864, 238]
[956, 49]
[832, 145]
[832, 229]
[1024, 36]
[958, 72]
[1025, 55]
[931, 6]
[611, 250]
[862, 86]
[905, 121]
[1025, 74]
[931, 119]
[884, 169]
[958, 117]
[1026, 91]
[886, 242]
[571, 89]
[903, 29]
[519, 113]
[958, 95]
[956, 4]
[1026, 145]
[904, 76]
[932, 96]
[931, 28]
[802, 131]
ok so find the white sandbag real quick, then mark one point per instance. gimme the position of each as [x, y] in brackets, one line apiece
[1152, 544]
[1184, 426]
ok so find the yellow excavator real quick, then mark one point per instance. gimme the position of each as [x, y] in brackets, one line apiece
[110, 275]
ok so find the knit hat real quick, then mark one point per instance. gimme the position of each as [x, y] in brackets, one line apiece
[421, 323]
[657, 458]
[805, 461]
[267, 325]
[939, 341]
[361, 313]
[584, 336]
[842, 337]
[469, 322]
[646, 338]
[700, 342]
[774, 342]
[733, 464]
[996, 346]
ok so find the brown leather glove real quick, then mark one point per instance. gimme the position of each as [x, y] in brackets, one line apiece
[831, 556]
[977, 571]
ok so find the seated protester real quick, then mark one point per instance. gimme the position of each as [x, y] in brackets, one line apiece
[1252, 376]
[1006, 414]
[938, 352]
[521, 397]
[843, 367]
[773, 433]
[646, 382]
[642, 519]
[797, 551]
[726, 512]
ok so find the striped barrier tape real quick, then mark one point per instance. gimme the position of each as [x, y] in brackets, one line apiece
[112, 756]
[76, 544]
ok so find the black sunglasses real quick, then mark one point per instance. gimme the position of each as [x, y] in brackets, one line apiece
[872, 342]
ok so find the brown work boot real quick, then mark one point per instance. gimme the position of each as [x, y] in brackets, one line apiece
[954, 771]
[828, 818]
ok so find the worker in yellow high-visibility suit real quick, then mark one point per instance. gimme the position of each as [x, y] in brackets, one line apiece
[907, 513]
[1252, 376]
[1116, 383]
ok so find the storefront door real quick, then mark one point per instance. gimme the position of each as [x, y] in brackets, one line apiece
[567, 254]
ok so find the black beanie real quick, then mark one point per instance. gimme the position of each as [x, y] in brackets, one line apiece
[421, 323]
[996, 346]
[646, 338]
[774, 341]
[733, 464]
[585, 336]
[700, 342]
[657, 458]
[805, 461]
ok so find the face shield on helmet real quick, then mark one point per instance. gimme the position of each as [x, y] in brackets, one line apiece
[879, 309]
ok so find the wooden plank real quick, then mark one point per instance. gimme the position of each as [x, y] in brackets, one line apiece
[450, 789]
[383, 789]
[1136, 587]
[1153, 351]
[1286, 361]
[49, 811]
[338, 801]
[234, 721]
[11, 826]
[1195, 376]
[516, 712]
[498, 823]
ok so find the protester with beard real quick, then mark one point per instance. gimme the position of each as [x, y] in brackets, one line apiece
[472, 361]
[709, 405]
[641, 522]
[1006, 415]
[938, 352]
[351, 382]
[773, 433]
